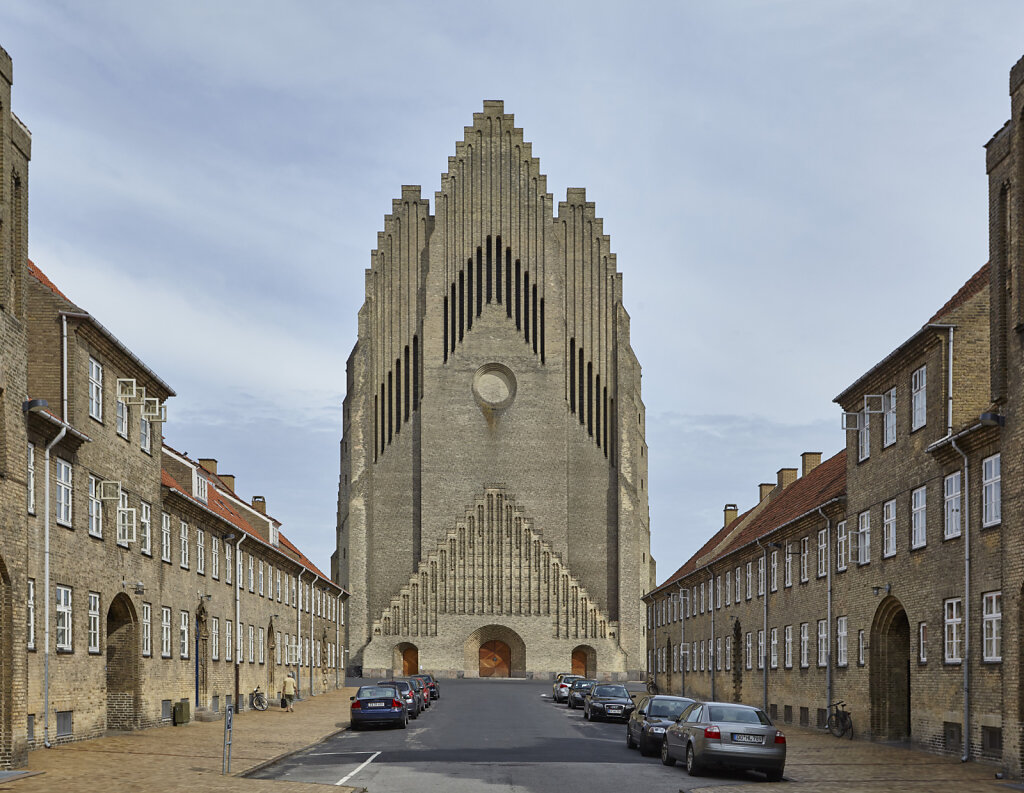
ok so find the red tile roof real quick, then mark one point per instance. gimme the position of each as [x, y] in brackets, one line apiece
[974, 284]
[41, 277]
[691, 564]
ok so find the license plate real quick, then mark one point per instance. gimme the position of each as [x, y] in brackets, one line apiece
[615, 709]
[375, 704]
[739, 737]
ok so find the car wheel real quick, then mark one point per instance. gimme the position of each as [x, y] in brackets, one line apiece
[355, 727]
[774, 774]
[414, 715]
[692, 768]
[630, 743]
[405, 722]
[666, 758]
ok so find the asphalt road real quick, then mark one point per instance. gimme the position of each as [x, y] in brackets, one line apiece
[490, 735]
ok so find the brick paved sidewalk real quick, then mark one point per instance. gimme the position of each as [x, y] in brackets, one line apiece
[165, 759]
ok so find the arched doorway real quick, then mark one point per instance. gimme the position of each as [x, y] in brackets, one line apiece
[495, 659]
[202, 650]
[890, 671]
[122, 664]
[406, 657]
[584, 661]
[6, 662]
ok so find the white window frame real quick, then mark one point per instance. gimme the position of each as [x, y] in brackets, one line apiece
[822, 643]
[30, 480]
[861, 648]
[63, 502]
[165, 537]
[953, 612]
[94, 623]
[214, 556]
[146, 528]
[125, 521]
[841, 643]
[279, 585]
[145, 434]
[95, 389]
[863, 538]
[30, 615]
[889, 418]
[184, 542]
[863, 436]
[227, 640]
[919, 517]
[147, 630]
[63, 634]
[788, 646]
[922, 642]
[991, 489]
[951, 506]
[760, 575]
[728, 588]
[718, 654]
[760, 648]
[992, 626]
[228, 566]
[739, 586]
[773, 645]
[889, 528]
[165, 632]
[251, 574]
[773, 578]
[788, 577]
[95, 508]
[261, 578]
[200, 551]
[750, 580]
[215, 638]
[277, 648]
[121, 418]
[919, 398]
[749, 651]
[822, 553]
[252, 644]
[805, 550]
[841, 551]
[184, 635]
[804, 645]
[261, 658]
[728, 653]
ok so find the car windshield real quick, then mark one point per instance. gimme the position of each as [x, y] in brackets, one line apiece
[610, 691]
[400, 685]
[667, 708]
[736, 715]
[583, 684]
[375, 692]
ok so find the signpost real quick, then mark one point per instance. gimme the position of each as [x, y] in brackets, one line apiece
[225, 759]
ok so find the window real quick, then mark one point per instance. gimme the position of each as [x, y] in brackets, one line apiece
[889, 528]
[277, 648]
[31, 479]
[199, 485]
[95, 389]
[805, 544]
[990, 491]
[95, 508]
[252, 655]
[760, 576]
[295, 602]
[215, 638]
[228, 567]
[760, 649]
[750, 580]
[278, 586]
[147, 629]
[738, 585]
[728, 653]
[863, 436]
[922, 642]
[861, 648]
[259, 645]
[63, 600]
[238, 644]
[227, 640]
[125, 521]
[251, 575]
[822, 553]
[144, 434]
[918, 523]
[30, 621]
[728, 588]
[184, 545]
[774, 648]
[261, 578]
[822, 642]
[804, 649]
[165, 632]
[200, 551]
[841, 545]
[718, 592]
[774, 576]
[841, 641]
[918, 398]
[214, 556]
[951, 504]
[748, 651]
[992, 625]
[954, 618]
[165, 537]
[146, 528]
[789, 564]
[121, 418]
[889, 417]
[63, 501]
[864, 538]
[94, 622]
[183, 635]
[718, 653]
[789, 646]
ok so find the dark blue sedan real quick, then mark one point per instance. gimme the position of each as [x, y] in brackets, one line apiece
[378, 705]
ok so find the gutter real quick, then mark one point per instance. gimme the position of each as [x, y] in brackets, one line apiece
[238, 611]
[965, 732]
[46, 588]
[828, 610]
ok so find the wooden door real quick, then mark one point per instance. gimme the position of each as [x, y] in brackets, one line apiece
[579, 662]
[410, 661]
[495, 659]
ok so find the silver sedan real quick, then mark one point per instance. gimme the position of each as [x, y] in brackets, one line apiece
[727, 735]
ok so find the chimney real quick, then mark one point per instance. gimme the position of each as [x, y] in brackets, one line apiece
[259, 503]
[810, 461]
[229, 480]
[730, 514]
[209, 464]
[766, 488]
[787, 476]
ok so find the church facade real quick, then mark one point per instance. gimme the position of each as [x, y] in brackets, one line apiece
[492, 510]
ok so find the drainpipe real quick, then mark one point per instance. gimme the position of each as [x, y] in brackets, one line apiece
[712, 573]
[828, 608]
[965, 732]
[312, 634]
[764, 628]
[46, 587]
[64, 366]
[298, 635]
[337, 641]
[682, 641]
[238, 615]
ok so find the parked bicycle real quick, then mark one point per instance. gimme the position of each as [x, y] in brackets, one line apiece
[259, 699]
[840, 721]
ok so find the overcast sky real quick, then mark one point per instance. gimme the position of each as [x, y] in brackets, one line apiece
[792, 189]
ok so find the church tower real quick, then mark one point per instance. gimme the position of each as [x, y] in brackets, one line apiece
[492, 508]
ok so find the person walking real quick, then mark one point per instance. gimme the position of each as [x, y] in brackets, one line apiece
[289, 691]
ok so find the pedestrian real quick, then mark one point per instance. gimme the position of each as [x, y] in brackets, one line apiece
[289, 691]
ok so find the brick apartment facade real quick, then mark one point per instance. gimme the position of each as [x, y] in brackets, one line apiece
[148, 581]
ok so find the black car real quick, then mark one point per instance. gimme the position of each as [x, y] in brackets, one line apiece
[653, 715]
[431, 684]
[578, 692]
[608, 701]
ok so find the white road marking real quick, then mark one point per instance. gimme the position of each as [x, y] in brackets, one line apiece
[328, 754]
[359, 768]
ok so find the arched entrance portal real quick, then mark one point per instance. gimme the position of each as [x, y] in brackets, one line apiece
[584, 661]
[494, 651]
[890, 671]
[6, 661]
[271, 660]
[202, 641]
[495, 659]
[406, 657]
[122, 664]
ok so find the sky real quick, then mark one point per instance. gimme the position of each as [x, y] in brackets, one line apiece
[792, 188]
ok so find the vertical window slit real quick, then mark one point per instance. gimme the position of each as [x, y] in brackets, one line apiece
[542, 330]
[462, 304]
[390, 397]
[497, 271]
[445, 329]
[415, 373]
[519, 302]
[534, 316]
[526, 306]
[405, 393]
[452, 335]
[605, 421]
[469, 294]
[572, 375]
[597, 409]
[508, 282]
[579, 372]
[383, 418]
[590, 398]
[376, 429]
[489, 271]
[479, 280]
[398, 395]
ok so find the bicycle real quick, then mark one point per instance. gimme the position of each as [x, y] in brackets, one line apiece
[652, 686]
[840, 721]
[259, 699]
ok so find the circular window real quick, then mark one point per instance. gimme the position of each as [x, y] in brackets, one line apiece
[494, 385]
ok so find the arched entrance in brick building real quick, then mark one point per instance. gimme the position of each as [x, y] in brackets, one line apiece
[890, 671]
[6, 661]
[122, 664]
[495, 651]
[406, 657]
[202, 651]
[584, 661]
[271, 660]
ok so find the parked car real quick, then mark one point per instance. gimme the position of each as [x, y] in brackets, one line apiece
[378, 705]
[407, 694]
[432, 685]
[578, 692]
[728, 735]
[607, 701]
[653, 715]
[560, 689]
[421, 690]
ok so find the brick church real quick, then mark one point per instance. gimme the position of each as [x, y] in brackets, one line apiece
[493, 516]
